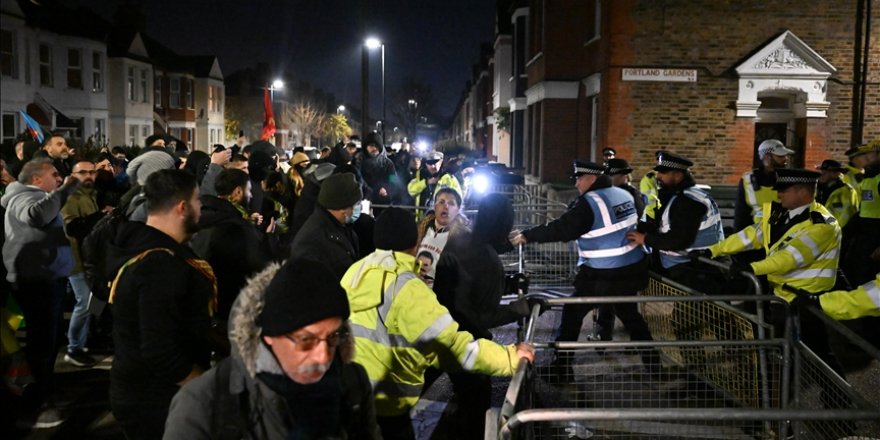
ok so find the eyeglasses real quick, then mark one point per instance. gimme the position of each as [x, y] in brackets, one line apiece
[308, 342]
[85, 172]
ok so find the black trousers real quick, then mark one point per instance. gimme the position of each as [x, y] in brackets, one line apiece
[41, 302]
[587, 284]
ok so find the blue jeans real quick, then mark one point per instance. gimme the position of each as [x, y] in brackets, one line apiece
[78, 331]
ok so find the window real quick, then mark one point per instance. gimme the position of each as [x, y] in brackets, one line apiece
[157, 91]
[188, 90]
[211, 99]
[174, 96]
[129, 85]
[144, 84]
[145, 131]
[592, 25]
[74, 69]
[100, 131]
[97, 72]
[9, 127]
[46, 66]
[219, 96]
[8, 60]
[190, 136]
[27, 61]
[132, 135]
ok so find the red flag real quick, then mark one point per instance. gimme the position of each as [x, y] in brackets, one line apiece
[269, 122]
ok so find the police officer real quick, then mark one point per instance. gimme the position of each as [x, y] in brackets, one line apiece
[849, 304]
[608, 264]
[841, 199]
[756, 186]
[861, 255]
[688, 219]
[802, 240]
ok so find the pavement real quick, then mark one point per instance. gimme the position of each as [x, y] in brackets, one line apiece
[83, 392]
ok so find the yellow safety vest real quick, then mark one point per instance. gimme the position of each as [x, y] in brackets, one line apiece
[400, 329]
[870, 199]
[648, 187]
[756, 198]
[843, 204]
[852, 304]
[805, 257]
[853, 176]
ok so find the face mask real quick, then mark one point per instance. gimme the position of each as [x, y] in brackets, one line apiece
[355, 213]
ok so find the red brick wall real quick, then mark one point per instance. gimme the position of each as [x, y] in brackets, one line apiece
[699, 119]
[557, 146]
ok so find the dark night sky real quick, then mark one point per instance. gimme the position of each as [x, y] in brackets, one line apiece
[319, 41]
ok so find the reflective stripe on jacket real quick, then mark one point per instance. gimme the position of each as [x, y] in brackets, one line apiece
[804, 257]
[400, 329]
[606, 245]
[756, 198]
[870, 203]
[710, 231]
[852, 304]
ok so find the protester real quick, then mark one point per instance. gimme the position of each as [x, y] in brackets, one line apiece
[163, 297]
[281, 381]
[38, 259]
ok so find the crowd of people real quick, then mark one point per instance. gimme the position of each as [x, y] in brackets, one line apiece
[247, 294]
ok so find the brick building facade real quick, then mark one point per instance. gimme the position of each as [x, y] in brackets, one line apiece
[703, 78]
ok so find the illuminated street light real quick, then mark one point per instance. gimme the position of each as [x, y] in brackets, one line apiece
[277, 84]
[340, 109]
[369, 44]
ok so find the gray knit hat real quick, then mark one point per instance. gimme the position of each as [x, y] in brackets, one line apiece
[147, 163]
[339, 191]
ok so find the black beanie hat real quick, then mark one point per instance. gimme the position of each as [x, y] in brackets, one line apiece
[395, 230]
[339, 191]
[302, 292]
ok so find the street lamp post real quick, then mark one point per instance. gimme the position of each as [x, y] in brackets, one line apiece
[276, 85]
[371, 43]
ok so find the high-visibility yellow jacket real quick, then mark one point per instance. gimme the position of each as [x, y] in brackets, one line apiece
[843, 203]
[648, 187]
[805, 257]
[853, 176]
[756, 196]
[852, 304]
[870, 195]
[400, 329]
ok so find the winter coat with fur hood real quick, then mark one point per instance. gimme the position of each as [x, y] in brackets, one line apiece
[197, 411]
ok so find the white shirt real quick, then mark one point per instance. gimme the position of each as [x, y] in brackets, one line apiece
[792, 213]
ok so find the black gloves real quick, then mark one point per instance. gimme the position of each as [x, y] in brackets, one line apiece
[523, 306]
[697, 253]
[802, 300]
[516, 282]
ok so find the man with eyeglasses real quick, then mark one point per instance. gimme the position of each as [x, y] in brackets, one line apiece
[80, 213]
[291, 373]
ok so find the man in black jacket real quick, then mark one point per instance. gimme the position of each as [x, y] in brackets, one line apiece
[325, 237]
[228, 238]
[378, 172]
[162, 300]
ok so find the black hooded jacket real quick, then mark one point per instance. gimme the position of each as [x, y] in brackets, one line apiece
[470, 278]
[325, 240]
[162, 326]
[233, 247]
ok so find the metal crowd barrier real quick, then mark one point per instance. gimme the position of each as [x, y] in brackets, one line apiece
[725, 376]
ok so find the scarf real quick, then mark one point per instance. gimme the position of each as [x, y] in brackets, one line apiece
[315, 409]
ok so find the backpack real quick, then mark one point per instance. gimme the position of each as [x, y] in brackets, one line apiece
[94, 252]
